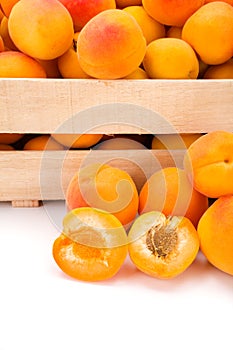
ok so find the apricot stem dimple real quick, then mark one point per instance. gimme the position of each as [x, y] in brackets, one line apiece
[161, 240]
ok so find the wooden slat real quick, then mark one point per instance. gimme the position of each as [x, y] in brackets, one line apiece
[36, 175]
[121, 106]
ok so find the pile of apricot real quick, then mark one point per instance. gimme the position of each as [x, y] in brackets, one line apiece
[162, 227]
[115, 39]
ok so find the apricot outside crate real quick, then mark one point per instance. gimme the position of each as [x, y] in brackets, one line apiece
[100, 106]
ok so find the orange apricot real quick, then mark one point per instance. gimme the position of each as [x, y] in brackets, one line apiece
[7, 5]
[123, 3]
[9, 138]
[82, 11]
[227, 1]
[68, 63]
[208, 164]
[220, 71]
[151, 29]
[215, 230]
[4, 147]
[92, 246]
[42, 142]
[40, 28]
[77, 140]
[209, 31]
[5, 35]
[170, 58]
[2, 47]
[15, 64]
[119, 143]
[162, 247]
[104, 187]
[171, 12]
[169, 190]
[111, 45]
[173, 141]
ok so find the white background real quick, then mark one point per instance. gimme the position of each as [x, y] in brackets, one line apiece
[41, 308]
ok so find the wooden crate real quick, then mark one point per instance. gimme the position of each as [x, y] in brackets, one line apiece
[100, 106]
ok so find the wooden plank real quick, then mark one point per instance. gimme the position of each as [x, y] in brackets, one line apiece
[36, 175]
[120, 106]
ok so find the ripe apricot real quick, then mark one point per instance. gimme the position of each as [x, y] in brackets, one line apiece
[9, 138]
[119, 143]
[104, 187]
[82, 11]
[220, 71]
[171, 12]
[40, 28]
[170, 58]
[209, 31]
[228, 1]
[174, 32]
[208, 164]
[68, 63]
[168, 190]
[173, 141]
[151, 29]
[139, 73]
[42, 142]
[7, 5]
[123, 3]
[161, 246]
[2, 47]
[92, 246]
[15, 64]
[215, 230]
[5, 35]
[4, 147]
[111, 45]
[77, 140]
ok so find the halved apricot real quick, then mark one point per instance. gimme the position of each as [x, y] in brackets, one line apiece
[162, 246]
[92, 246]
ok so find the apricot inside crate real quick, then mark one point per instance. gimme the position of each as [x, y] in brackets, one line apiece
[45, 106]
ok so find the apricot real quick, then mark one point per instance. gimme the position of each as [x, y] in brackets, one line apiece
[174, 32]
[15, 64]
[40, 28]
[170, 58]
[227, 1]
[151, 29]
[171, 12]
[173, 141]
[215, 230]
[111, 45]
[139, 73]
[104, 187]
[220, 71]
[7, 5]
[10, 138]
[5, 35]
[119, 143]
[41, 143]
[208, 164]
[162, 247]
[82, 11]
[123, 3]
[92, 246]
[169, 190]
[68, 63]
[77, 140]
[4, 147]
[2, 47]
[209, 31]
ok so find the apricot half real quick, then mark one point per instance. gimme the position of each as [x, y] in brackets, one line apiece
[161, 246]
[92, 246]
[208, 163]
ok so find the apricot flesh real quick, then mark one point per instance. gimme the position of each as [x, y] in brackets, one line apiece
[208, 163]
[92, 246]
[161, 246]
